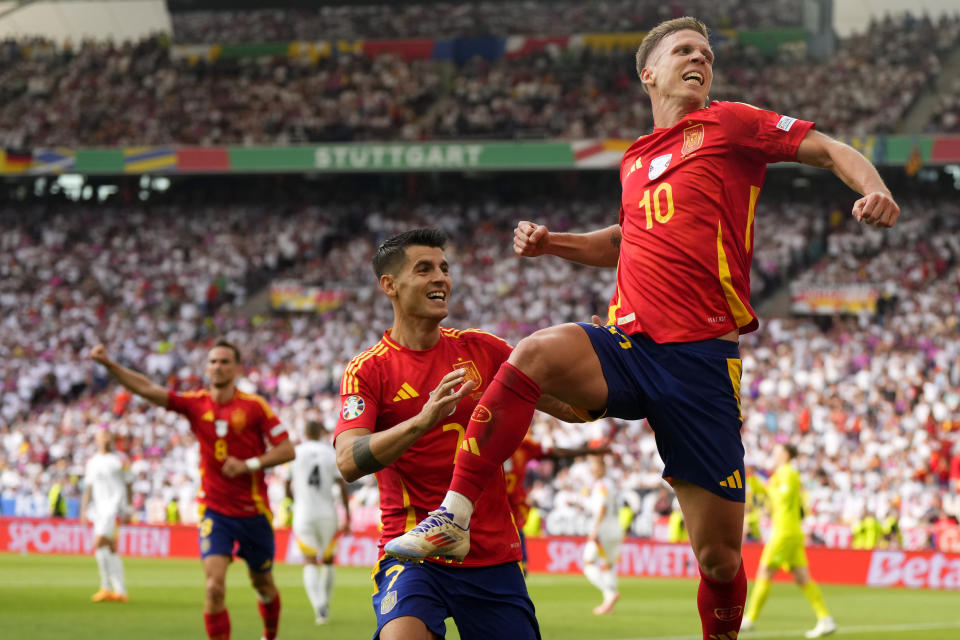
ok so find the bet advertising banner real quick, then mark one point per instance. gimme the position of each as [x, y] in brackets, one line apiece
[875, 568]
[552, 554]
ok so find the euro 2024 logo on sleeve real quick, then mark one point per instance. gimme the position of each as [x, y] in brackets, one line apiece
[352, 407]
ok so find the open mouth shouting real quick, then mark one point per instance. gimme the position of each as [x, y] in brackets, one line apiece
[693, 77]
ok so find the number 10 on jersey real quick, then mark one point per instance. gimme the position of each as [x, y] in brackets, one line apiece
[663, 190]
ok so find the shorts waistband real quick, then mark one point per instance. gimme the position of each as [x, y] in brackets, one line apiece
[712, 347]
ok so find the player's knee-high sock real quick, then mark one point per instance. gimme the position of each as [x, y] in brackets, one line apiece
[721, 605]
[594, 575]
[496, 429]
[115, 565]
[326, 583]
[609, 577]
[102, 554]
[218, 625]
[270, 612]
[812, 591]
[312, 585]
[761, 589]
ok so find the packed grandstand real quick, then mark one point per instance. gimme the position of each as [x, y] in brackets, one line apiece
[871, 397]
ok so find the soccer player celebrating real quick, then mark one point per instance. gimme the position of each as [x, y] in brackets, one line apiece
[785, 547]
[231, 427]
[107, 481]
[682, 247]
[315, 520]
[405, 403]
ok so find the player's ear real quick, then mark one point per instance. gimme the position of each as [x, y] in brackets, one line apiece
[647, 76]
[388, 284]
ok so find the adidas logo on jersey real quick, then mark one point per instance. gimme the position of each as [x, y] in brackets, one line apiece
[405, 392]
[733, 481]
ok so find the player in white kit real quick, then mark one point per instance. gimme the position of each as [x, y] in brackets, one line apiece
[315, 521]
[601, 554]
[107, 482]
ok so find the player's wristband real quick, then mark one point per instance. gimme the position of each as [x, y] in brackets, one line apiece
[253, 463]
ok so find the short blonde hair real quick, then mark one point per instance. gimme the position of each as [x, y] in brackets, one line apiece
[661, 31]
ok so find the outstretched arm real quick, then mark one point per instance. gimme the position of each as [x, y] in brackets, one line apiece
[360, 452]
[600, 248]
[877, 206]
[282, 452]
[561, 453]
[135, 381]
[559, 409]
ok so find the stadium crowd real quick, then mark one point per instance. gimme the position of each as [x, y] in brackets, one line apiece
[466, 19]
[872, 401]
[946, 117]
[102, 94]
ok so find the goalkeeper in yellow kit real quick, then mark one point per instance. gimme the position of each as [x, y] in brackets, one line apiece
[784, 549]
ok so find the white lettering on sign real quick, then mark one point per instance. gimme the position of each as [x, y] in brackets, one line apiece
[398, 156]
[55, 537]
[889, 568]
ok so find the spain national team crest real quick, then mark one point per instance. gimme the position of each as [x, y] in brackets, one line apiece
[221, 427]
[730, 613]
[352, 407]
[692, 139]
[238, 419]
[481, 414]
[472, 373]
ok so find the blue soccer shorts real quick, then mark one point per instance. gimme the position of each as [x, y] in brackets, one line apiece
[250, 538]
[486, 603]
[689, 392]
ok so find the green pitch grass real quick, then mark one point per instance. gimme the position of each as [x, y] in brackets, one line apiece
[48, 598]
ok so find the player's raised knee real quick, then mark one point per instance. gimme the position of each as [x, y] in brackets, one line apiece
[544, 349]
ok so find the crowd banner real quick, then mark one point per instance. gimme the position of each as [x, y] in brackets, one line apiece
[833, 299]
[550, 554]
[287, 295]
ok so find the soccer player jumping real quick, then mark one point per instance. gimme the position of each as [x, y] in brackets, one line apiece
[231, 427]
[682, 248]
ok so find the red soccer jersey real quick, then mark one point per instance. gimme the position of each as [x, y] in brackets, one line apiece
[237, 428]
[515, 472]
[388, 384]
[686, 214]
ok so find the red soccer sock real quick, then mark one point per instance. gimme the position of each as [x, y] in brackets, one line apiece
[497, 427]
[270, 612]
[218, 625]
[721, 605]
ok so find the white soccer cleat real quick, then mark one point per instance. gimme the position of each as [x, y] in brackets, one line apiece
[746, 625]
[323, 615]
[825, 626]
[436, 536]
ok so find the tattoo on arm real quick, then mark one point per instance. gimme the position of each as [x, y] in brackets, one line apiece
[615, 238]
[363, 457]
